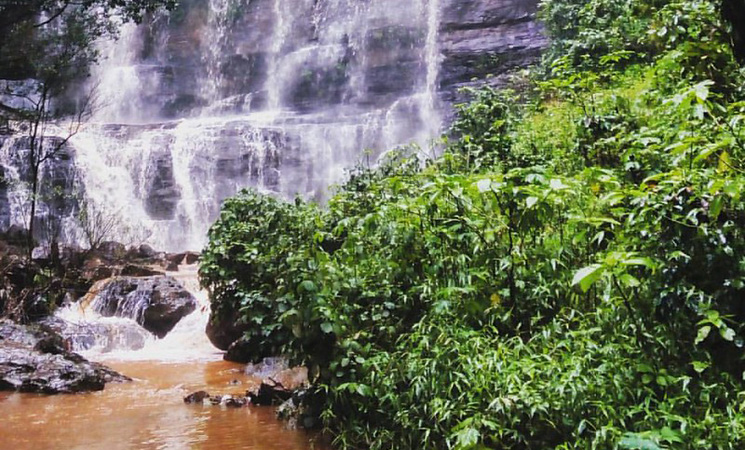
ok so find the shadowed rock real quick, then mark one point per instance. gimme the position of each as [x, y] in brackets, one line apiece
[33, 359]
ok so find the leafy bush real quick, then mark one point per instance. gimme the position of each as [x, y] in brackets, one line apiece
[258, 249]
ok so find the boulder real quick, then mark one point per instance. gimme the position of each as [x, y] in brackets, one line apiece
[157, 303]
[34, 359]
[146, 251]
[280, 386]
[97, 273]
[224, 328]
[111, 250]
[240, 351]
[191, 258]
[302, 410]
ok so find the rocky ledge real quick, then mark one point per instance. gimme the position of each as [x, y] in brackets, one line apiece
[34, 359]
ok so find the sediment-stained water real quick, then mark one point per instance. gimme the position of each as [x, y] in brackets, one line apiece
[149, 413]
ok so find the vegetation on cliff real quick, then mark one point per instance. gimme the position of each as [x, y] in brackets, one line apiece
[567, 275]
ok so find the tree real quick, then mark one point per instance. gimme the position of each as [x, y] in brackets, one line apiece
[733, 11]
[46, 47]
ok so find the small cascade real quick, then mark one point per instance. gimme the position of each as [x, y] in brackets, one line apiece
[122, 338]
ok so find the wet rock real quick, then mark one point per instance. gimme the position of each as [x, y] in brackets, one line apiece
[183, 258]
[34, 359]
[227, 400]
[279, 387]
[302, 410]
[98, 273]
[157, 303]
[486, 38]
[40, 253]
[235, 402]
[162, 192]
[197, 397]
[267, 367]
[106, 337]
[176, 258]
[14, 234]
[269, 394]
[224, 328]
[191, 257]
[133, 270]
[146, 251]
[111, 250]
[240, 351]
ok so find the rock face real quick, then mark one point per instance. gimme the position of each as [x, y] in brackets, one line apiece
[162, 193]
[157, 303]
[37, 360]
[480, 38]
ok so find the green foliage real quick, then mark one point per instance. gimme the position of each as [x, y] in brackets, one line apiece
[256, 239]
[567, 275]
[586, 381]
[585, 30]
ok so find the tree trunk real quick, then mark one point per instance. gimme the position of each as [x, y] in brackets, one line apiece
[733, 11]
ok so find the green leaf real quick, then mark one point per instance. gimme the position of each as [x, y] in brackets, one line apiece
[667, 434]
[639, 261]
[629, 280]
[587, 276]
[633, 441]
[715, 207]
[728, 334]
[557, 184]
[702, 90]
[703, 333]
[327, 327]
[308, 286]
[484, 185]
[467, 438]
[700, 366]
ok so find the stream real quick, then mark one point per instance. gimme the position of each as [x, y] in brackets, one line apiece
[149, 412]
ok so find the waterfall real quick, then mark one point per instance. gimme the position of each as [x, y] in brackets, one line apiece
[281, 95]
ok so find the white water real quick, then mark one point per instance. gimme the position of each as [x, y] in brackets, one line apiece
[125, 338]
[339, 77]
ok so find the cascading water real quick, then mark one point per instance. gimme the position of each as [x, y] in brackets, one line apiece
[121, 337]
[282, 95]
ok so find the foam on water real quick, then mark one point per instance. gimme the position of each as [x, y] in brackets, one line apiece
[123, 339]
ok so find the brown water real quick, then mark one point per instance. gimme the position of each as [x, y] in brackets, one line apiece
[148, 413]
